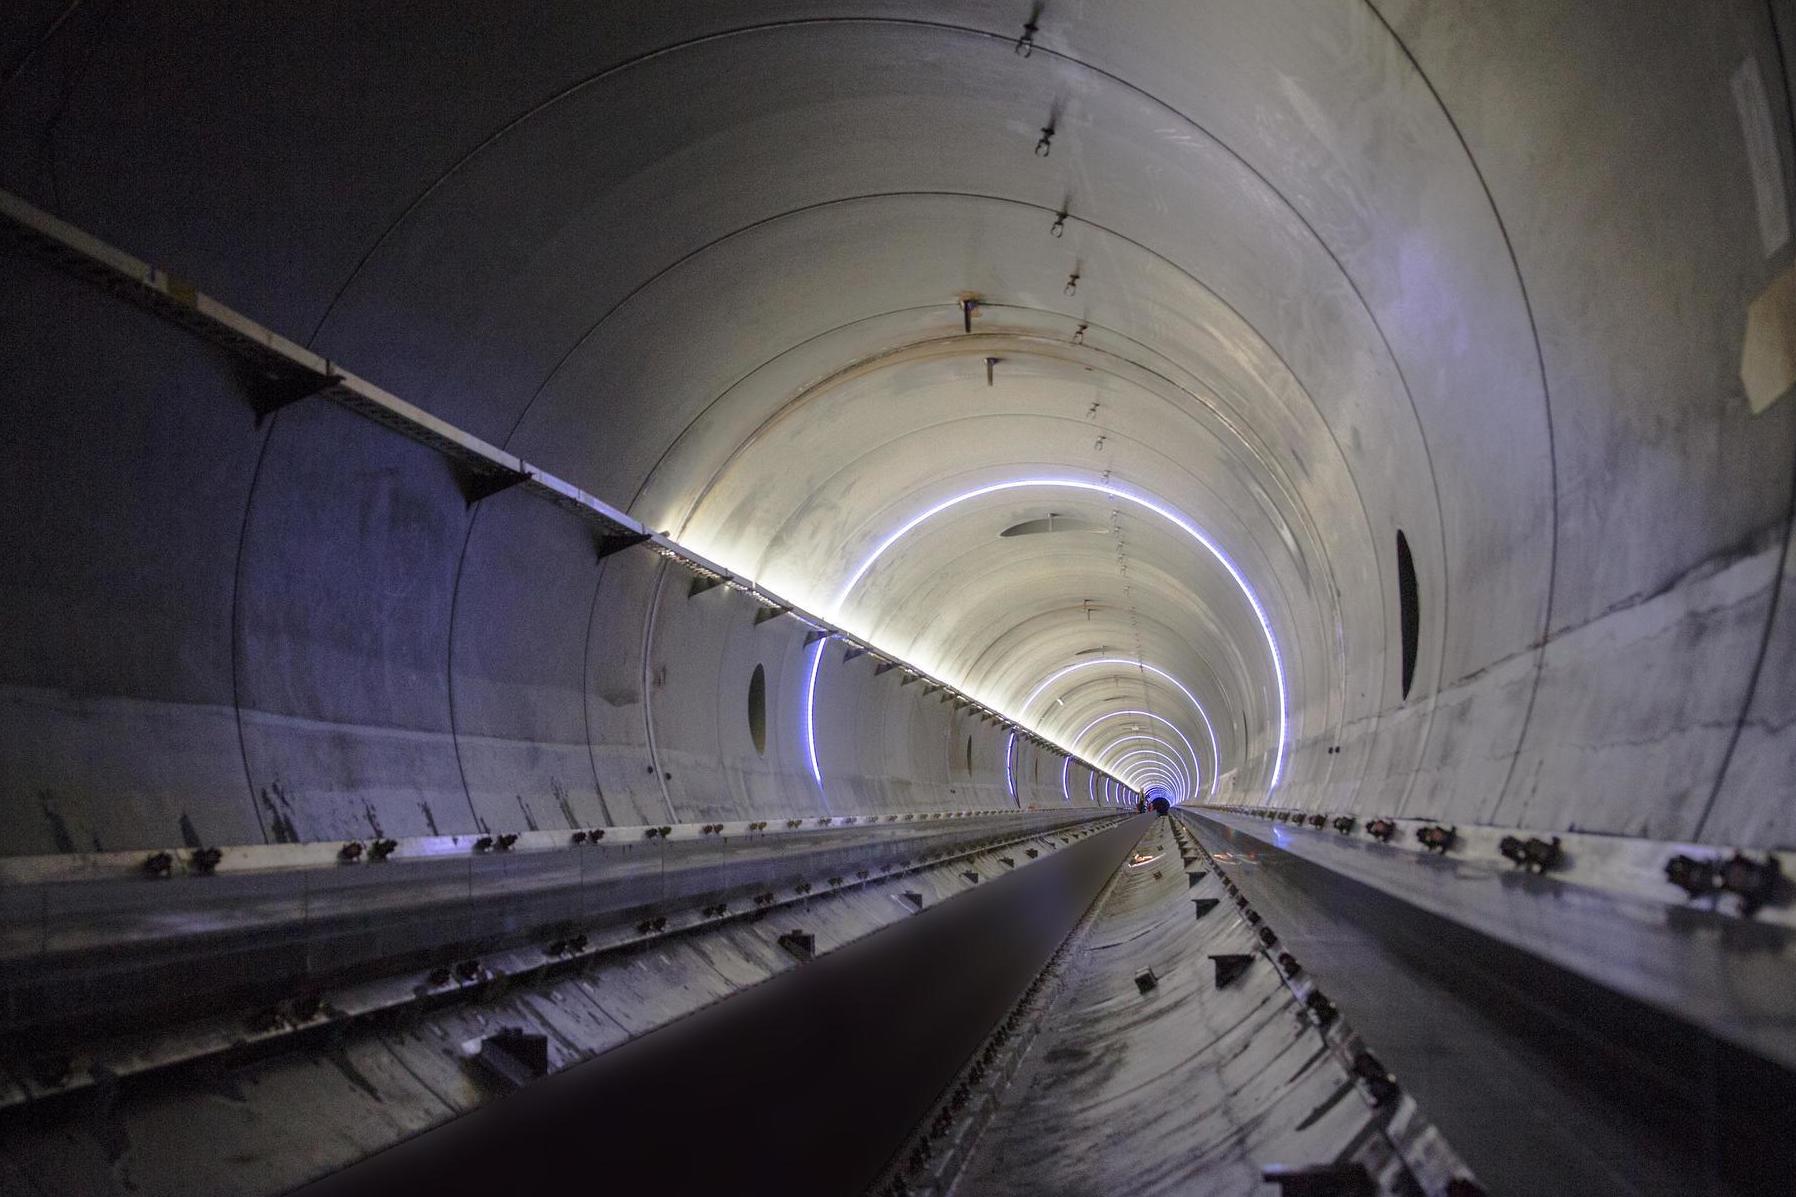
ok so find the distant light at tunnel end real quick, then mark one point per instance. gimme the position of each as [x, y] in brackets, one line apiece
[1115, 491]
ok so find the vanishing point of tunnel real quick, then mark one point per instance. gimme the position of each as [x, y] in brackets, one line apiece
[929, 598]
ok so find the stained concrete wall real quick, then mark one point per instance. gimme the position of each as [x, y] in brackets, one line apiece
[299, 629]
[1476, 272]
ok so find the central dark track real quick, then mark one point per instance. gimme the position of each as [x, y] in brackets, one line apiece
[806, 1084]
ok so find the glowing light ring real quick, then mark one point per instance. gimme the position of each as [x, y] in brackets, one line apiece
[1116, 492]
[1010, 765]
[1156, 756]
[1177, 780]
[1155, 753]
[810, 719]
[1215, 750]
[1094, 786]
[1196, 766]
[1173, 759]
[1065, 768]
[1176, 759]
[1156, 766]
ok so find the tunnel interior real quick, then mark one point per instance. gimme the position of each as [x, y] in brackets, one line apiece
[853, 454]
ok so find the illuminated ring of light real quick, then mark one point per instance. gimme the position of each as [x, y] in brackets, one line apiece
[1173, 759]
[1175, 770]
[1195, 764]
[1152, 767]
[1010, 765]
[1116, 492]
[1153, 783]
[1066, 767]
[1216, 751]
[810, 719]
[1094, 785]
[1153, 753]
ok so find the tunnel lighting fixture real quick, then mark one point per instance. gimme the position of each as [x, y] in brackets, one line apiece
[1137, 754]
[1215, 749]
[1195, 764]
[1146, 502]
[1010, 765]
[1066, 766]
[810, 718]
[1170, 757]
[1147, 773]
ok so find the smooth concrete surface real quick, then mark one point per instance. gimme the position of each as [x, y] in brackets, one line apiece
[782, 278]
[1480, 274]
[268, 1121]
[1542, 1080]
[874, 1009]
[1190, 1087]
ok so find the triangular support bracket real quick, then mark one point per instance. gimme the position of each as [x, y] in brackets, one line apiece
[617, 542]
[1229, 968]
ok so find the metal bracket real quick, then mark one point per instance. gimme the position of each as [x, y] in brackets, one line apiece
[702, 583]
[482, 485]
[1229, 967]
[768, 614]
[617, 542]
[269, 391]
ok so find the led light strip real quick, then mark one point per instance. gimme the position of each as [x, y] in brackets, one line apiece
[168, 297]
[1153, 753]
[1172, 759]
[1148, 503]
[1010, 765]
[1196, 765]
[1171, 767]
[1215, 749]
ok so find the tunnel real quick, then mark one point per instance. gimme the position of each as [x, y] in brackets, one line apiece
[838, 596]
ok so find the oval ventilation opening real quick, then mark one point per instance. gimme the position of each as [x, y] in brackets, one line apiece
[757, 709]
[1409, 610]
[1054, 523]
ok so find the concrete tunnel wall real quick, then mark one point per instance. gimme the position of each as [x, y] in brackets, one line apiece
[214, 666]
[1479, 273]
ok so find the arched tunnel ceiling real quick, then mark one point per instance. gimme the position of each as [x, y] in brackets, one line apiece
[713, 264]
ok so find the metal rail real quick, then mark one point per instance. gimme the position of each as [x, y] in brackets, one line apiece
[129, 975]
[1615, 919]
[284, 372]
